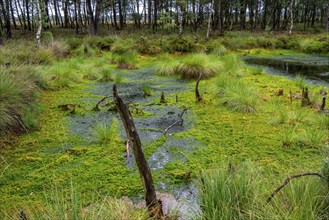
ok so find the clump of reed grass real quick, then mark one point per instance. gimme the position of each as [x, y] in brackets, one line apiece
[102, 133]
[232, 65]
[194, 65]
[106, 75]
[127, 60]
[147, 89]
[238, 95]
[302, 198]
[228, 193]
[18, 90]
[166, 68]
[300, 81]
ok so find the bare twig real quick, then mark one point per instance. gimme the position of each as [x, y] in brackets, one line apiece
[127, 149]
[98, 103]
[197, 93]
[179, 120]
[290, 178]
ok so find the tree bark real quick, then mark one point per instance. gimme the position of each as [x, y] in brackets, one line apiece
[328, 19]
[90, 18]
[29, 26]
[154, 205]
[209, 18]
[38, 36]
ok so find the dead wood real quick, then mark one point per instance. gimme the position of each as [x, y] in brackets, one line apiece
[305, 98]
[290, 96]
[154, 205]
[197, 93]
[69, 107]
[179, 120]
[97, 107]
[323, 105]
[162, 98]
[290, 178]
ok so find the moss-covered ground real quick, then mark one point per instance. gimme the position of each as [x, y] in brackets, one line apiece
[52, 157]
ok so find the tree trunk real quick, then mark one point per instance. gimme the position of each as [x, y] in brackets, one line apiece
[154, 205]
[29, 26]
[22, 13]
[265, 14]
[38, 36]
[180, 18]
[115, 15]
[66, 13]
[328, 19]
[56, 15]
[292, 6]
[209, 18]
[242, 14]
[12, 14]
[120, 14]
[220, 18]
[90, 18]
[76, 17]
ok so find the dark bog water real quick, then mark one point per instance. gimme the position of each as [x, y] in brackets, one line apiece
[314, 68]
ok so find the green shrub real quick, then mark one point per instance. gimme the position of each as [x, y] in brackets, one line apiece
[74, 43]
[146, 46]
[195, 64]
[127, 60]
[59, 49]
[122, 46]
[314, 46]
[238, 95]
[176, 44]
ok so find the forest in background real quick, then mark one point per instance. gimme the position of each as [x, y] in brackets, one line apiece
[219, 15]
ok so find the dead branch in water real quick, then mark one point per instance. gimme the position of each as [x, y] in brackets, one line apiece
[179, 120]
[153, 204]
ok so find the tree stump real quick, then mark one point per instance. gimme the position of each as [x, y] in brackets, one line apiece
[162, 98]
[305, 98]
[197, 93]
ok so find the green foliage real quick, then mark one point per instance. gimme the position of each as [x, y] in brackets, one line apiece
[302, 198]
[122, 46]
[167, 67]
[127, 60]
[301, 81]
[102, 133]
[146, 46]
[106, 75]
[314, 46]
[74, 42]
[18, 89]
[325, 169]
[194, 65]
[238, 95]
[228, 193]
[175, 44]
[232, 65]
[147, 89]
[101, 43]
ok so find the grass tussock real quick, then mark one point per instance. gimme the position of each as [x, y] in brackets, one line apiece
[18, 92]
[238, 95]
[228, 193]
[194, 65]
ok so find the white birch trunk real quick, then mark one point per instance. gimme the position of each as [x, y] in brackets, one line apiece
[292, 5]
[180, 21]
[209, 19]
[38, 37]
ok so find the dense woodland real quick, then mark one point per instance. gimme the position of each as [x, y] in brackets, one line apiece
[220, 15]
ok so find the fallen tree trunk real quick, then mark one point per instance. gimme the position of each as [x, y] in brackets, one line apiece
[154, 205]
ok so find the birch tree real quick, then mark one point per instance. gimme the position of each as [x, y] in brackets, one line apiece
[38, 36]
